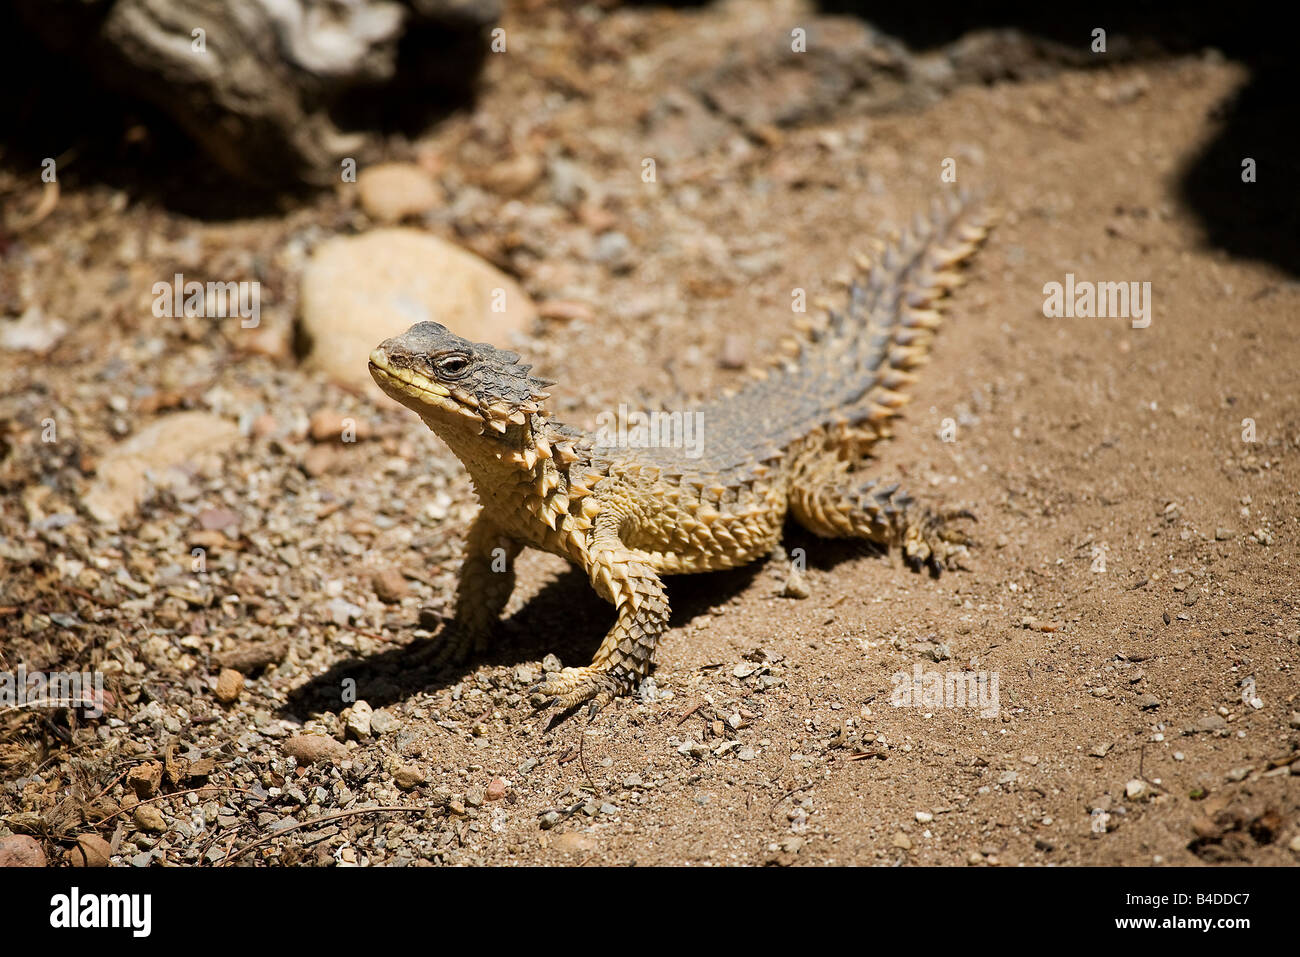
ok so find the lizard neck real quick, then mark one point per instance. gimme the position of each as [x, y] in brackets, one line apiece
[537, 453]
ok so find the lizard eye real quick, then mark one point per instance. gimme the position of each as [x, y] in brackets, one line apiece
[452, 366]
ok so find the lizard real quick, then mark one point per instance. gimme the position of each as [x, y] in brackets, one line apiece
[794, 441]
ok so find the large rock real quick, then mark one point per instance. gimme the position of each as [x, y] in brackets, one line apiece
[359, 290]
[19, 850]
[147, 459]
[272, 89]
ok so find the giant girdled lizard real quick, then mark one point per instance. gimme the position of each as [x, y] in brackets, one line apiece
[793, 442]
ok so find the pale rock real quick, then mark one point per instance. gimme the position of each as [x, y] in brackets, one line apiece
[33, 331]
[359, 290]
[131, 468]
[390, 192]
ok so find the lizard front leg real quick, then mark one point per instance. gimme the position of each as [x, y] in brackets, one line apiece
[487, 578]
[623, 577]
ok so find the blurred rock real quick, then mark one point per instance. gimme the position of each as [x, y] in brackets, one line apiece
[33, 331]
[390, 586]
[19, 850]
[392, 191]
[359, 290]
[263, 92]
[126, 473]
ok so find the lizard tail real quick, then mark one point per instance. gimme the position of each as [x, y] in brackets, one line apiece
[894, 311]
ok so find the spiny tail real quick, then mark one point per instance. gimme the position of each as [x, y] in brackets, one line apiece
[874, 346]
[843, 380]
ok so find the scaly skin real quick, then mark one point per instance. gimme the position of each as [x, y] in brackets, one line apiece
[796, 441]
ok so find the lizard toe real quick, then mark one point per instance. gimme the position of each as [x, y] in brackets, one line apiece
[574, 686]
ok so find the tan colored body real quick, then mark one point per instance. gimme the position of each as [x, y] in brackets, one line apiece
[794, 443]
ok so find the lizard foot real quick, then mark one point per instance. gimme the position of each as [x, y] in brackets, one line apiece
[571, 687]
[932, 541]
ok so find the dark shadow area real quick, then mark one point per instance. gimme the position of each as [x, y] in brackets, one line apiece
[566, 618]
[437, 71]
[57, 106]
[1259, 220]
[52, 106]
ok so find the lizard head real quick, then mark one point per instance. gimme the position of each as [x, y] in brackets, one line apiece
[456, 386]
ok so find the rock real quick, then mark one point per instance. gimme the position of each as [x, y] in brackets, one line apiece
[91, 850]
[613, 249]
[342, 612]
[733, 352]
[901, 840]
[19, 850]
[496, 789]
[408, 776]
[326, 425]
[320, 460]
[924, 817]
[229, 685]
[573, 842]
[360, 290]
[250, 658]
[1205, 828]
[219, 519]
[310, 748]
[1135, 789]
[392, 191]
[126, 472]
[1222, 534]
[149, 818]
[145, 779]
[263, 97]
[515, 176]
[381, 722]
[390, 585]
[649, 691]
[795, 586]
[475, 796]
[356, 720]
[31, 332]
[1211, 722]
[566, 310]
[1146, 701]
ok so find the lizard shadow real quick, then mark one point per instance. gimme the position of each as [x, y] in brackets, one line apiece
[565, 617]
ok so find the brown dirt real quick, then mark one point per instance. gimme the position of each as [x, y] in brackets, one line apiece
[1120, 590]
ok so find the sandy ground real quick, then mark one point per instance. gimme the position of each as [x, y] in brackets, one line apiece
[1133, 588]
